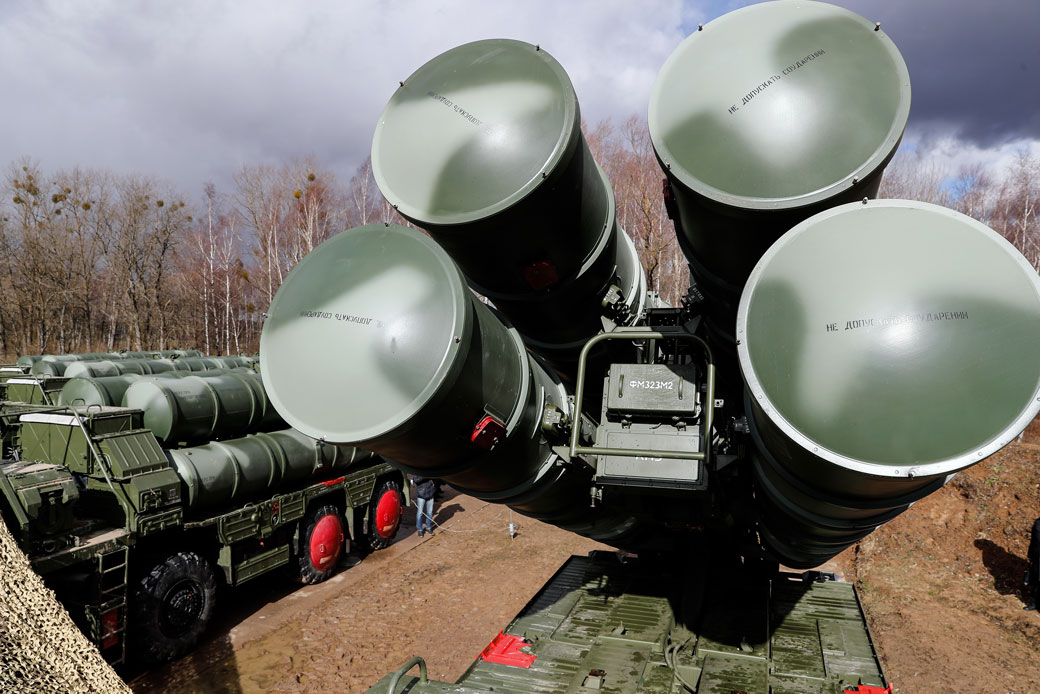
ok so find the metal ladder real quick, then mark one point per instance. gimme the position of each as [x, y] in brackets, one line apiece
[112, 573]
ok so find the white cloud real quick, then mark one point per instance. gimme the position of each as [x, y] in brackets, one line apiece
[191, 91]
[952, 156]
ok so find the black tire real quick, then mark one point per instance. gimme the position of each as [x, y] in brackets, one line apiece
[322, 540]
[172, 606]
[384, 515]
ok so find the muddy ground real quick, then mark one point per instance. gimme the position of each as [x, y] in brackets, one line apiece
[941, 585]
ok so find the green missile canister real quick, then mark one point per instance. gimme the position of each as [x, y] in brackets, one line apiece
[203, 363]
[116, 367]
[109, 390]
[409, 349]
[420, 371]
[482, 147]
[101, 390]
[177, 353]
[224, 473]
[133, 355]
[49, 368]
[56, 364]
[885, 345]
[27, 360]
[200, 407]
[764, 117]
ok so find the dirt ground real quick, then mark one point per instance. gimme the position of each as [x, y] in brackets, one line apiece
[941, 585]
[443, 597]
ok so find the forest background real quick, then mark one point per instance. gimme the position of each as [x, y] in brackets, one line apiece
[92, 261]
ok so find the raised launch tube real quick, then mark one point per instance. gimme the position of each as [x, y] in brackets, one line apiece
[898, 367]
[762, 121]
[426, 375]
[482, 147]
[764, 117]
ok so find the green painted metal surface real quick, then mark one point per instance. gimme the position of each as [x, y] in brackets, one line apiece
[885, 345]
[504, 113]
[389, 309]
[508, 187]
[49, 368]
[109, 390]
[226, 473]
[626, 628]
[203, 363]
[766, 116]
[40, 495]
[57, 439]
[891, 339]
[116, 367]
[202, 407]
[32, 389]
[421, 368]
[27, 360]
[55, 364]
[175, 353]
[102, 390]
[745, 111]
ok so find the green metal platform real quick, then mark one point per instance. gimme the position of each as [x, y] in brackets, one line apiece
[613, 626]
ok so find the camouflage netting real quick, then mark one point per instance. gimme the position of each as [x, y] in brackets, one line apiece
[41, 650]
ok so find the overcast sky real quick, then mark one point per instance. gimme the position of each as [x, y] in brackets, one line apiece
[189, 91]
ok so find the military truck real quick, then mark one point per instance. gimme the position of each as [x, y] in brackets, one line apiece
[832, 363]
[136, 515]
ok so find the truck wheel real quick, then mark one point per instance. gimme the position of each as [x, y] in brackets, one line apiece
[172, 606]
[321, 544]
[384, 515]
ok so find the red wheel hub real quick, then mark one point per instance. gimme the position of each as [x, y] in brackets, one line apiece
[388, 513]
[326, 542]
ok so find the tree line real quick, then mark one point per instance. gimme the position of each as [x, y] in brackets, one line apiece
[93, 261]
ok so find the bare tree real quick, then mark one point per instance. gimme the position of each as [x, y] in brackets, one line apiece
[627, 155]
[1015, 208]
[148, 232]
[365, 196]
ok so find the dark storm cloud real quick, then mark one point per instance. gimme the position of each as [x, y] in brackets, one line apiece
[974, 66]
[191, 91]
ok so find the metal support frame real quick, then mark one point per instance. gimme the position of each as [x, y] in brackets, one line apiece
[664, 333]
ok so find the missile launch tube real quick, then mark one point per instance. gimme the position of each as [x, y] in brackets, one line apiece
[109, 390]
[204, 363]
[176, 353]
[116, 367]
[225, 473]
[198, 408]
[449, 390]
[509, 188]
[101, 390]
[56, 364]
[898, 367]
[763, 118]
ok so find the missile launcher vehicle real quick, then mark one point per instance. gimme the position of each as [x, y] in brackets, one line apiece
[135, 508]
[832, 363]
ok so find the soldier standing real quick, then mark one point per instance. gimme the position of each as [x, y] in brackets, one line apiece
[425, 488]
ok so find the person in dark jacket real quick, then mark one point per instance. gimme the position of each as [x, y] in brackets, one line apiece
[1032, 579]
[425, 488]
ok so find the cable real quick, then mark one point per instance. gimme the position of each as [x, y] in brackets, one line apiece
[449, 530]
